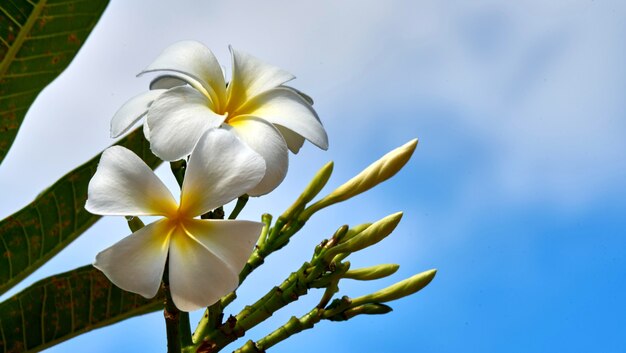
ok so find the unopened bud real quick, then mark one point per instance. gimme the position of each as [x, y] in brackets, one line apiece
[398, 290]
[352, 232]
[373, 272]
[376, 173]
[356, 230]
[312, 189]
[365, 309]
[337, 237]
[370, 236]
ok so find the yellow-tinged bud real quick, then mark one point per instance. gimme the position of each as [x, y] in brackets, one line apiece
[373, 272]
[398, 290]
[377, 172]
[312, 189]
[352, 232]
[370, 236]
[356, 230]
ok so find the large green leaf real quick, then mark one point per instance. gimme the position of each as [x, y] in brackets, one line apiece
[34, 234]
[38, 40]
[63, 306]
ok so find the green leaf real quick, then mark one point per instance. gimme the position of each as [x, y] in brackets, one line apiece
[34, 234]
[38, 40]
[60, 307]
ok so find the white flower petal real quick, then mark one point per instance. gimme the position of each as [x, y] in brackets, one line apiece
[267, 141]
[193, 59]
[177, 119]
[136, 262]
[198, 276]
[304, 96]
[124, 185]
[230, 240]
[146, 130]
[169, 81]
[220, 169]
[293, 140]
[284, 107]
[132, 111]
[251, 77]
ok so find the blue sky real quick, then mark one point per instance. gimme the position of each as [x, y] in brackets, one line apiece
[516, 192]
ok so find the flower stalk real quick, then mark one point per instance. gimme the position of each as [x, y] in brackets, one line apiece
[325, 270]
[171, 315]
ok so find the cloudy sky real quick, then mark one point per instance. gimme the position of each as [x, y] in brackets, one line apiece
[516, 192]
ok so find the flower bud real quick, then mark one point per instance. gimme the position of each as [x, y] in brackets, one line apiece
[352, 232]
[315, 186]
[367, 309]
[370, 236]
[377, 172]
[371, 273]
[398, 290]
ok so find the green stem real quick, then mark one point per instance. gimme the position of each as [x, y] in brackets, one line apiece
[184, 327]
[215, 314]
[293, 326]
[241, 203]
[172, 316]
[290, 290]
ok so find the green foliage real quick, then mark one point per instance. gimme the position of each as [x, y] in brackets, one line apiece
[34, 234]
[38, 40]
[65, 305]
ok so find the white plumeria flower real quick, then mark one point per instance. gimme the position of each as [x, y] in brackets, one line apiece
[255, 105]
[205, 256]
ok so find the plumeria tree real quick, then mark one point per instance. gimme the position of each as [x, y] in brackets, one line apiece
[225, 139]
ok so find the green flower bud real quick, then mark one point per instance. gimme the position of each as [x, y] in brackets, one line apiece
[373, 272]
[399, 290]
[366, 309]
[315, 186]
[376, 173]
[370, 236]
[356, 230]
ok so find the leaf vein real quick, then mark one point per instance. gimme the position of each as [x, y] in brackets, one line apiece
[19, 301]
[71, 15]
[7, 14]
[39, 56]
[69, 285]
[62, 3]
[91, 303]
[27, 240]
[18, 8]
[43, 314]
[4, 339]
[74, 208]
[59, 219]
[41, 231]
[29, 74]
[8, 256]
[58, 34]
[13, 95]
[21, 37]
